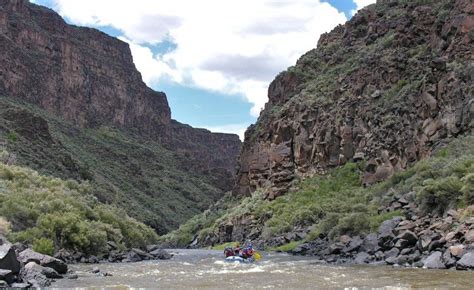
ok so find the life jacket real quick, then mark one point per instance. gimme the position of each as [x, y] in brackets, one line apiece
[228, 252]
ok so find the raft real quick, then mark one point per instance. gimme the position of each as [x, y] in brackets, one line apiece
[237, 259]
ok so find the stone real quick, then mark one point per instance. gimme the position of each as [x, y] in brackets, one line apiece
[434, 261]
[95, 270]
[406, 251]
[402, 260]
[353, 245]
[410, 237]
[448, 259]
[436, 245]
[7, 275]
[151, 248]
[29, 255]
[456, 250]
[391, 253]
[406, 225]
[361, 258]
[336, 248]
[8, 259]
[370, 244]
[469, 236]
[92, 260]
[345, 239]
[65, 256]
[35, 274]
[386, 234]
[132, 256]
[3, 284]
[144, 255]
[161, 254]
[466, 262]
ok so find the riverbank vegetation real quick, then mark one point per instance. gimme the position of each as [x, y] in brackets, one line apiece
[51, 214]
[337, 203]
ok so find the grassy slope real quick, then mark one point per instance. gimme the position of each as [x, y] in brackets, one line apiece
[150, 182]
[52, 213]
[338, 204]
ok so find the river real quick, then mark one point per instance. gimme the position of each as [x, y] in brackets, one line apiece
[206, 269]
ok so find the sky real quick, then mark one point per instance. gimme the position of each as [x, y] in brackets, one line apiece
[214, 59]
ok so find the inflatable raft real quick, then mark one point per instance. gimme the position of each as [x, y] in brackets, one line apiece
[237, 259]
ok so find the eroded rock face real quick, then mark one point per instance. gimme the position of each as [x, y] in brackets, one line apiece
[388, 87]
[78, 73]
[89, 79]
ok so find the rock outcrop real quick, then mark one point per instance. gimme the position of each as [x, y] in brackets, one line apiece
[387, 88]
[25, 268]
[89, 79]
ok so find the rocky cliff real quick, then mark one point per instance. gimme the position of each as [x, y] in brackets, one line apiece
[385, 89]
[89, 79]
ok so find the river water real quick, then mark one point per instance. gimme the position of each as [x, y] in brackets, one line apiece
[206, 269]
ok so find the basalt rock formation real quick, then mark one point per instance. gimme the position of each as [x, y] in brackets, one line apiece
[67, 86]
[386, 89]
[89, 79]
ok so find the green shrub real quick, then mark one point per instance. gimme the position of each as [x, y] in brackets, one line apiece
[44, 246]
[12, 137]
[44, 210]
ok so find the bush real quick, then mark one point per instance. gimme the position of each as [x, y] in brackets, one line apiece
[44, 210]
[44, 246]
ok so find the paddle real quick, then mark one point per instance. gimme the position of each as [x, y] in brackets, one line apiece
[257, 256]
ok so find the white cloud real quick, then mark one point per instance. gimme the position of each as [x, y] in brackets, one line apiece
[361, 4]
[232, 47]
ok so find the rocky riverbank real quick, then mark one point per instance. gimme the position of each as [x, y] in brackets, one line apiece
[411, 241]
[21, 267]
[115, 255]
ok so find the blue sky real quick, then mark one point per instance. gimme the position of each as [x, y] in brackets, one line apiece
[217, 79]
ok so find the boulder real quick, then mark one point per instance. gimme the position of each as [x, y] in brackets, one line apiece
[466, 262]
[469, 236]
[402, 260]
[345, 239]
[456, 250]
[29, 255]
[353, 245]
[144, 255]
[370, 244]
[410, 237]
[434, 261]
[392, 253]
[336, 248]
[8, 258]
[7, 276]
[132, 256]
[3, 284]
[34, 274]
[151, 248]
[385, 231]
[51, 273]
[448, 259]
[361, 258]
[161, 254]
[65, 256]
